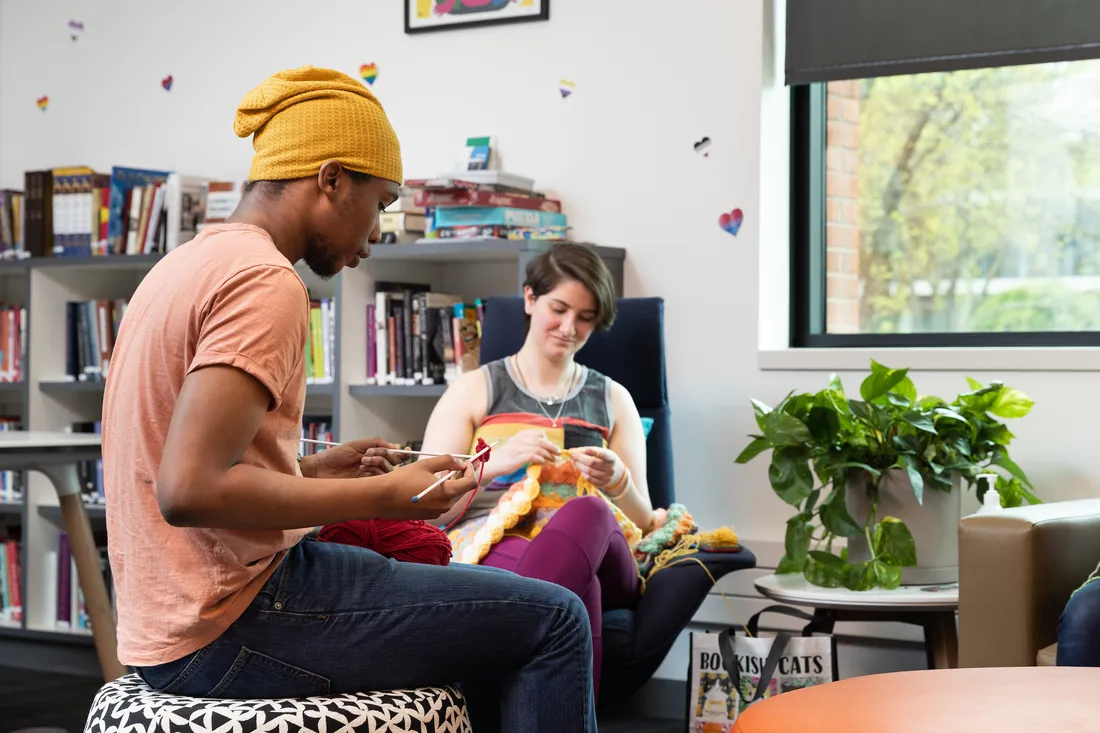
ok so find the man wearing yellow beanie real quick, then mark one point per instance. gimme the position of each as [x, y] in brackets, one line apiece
[220, 588]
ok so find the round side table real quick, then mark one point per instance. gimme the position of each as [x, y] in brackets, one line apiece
[1000, 699]
[932, 607]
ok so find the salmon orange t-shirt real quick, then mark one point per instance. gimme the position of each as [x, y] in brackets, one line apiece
[227, 297]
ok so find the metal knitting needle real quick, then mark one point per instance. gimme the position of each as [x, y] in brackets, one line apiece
[473, 458]
[395, 450]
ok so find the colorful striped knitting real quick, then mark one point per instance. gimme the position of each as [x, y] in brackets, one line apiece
[527, 506]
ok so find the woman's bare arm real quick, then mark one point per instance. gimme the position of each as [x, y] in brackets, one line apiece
[628, 442]
[450, 428]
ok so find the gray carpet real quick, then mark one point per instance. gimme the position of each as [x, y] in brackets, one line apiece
[40, 702]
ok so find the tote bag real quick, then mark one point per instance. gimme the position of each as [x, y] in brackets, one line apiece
[729, 672]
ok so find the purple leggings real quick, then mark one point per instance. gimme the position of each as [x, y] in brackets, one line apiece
[583, 549]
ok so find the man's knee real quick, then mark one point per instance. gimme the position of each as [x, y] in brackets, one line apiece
[559, 597]
[1082, 612]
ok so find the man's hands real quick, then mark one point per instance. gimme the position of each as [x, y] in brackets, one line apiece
[396, 502]
[354, 459]
[392, 498]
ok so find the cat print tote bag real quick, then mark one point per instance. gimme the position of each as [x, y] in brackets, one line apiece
[729, 672]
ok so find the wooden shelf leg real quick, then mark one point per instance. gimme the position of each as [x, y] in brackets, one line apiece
[941, 640]
[89, 574]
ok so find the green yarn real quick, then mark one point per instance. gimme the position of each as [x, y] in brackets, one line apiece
[661, 539]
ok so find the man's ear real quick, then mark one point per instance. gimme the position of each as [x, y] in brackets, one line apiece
[329, 176]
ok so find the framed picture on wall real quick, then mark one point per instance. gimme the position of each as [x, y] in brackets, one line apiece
[422, 16]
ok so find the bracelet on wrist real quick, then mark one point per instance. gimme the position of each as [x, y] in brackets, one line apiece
[623, 481]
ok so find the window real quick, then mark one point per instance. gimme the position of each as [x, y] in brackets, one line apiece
[948, 208]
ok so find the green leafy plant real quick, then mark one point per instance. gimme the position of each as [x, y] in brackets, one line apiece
[818, 440]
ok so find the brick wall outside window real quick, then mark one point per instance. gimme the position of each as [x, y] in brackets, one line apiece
[842, 208]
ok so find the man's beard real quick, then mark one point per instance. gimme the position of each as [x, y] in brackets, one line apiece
[320, 259]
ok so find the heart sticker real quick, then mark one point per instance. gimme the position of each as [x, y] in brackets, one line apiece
[369, 72]
[731, 222]
[702, 146]
[42, 102]
[166, 82]
[566, 88]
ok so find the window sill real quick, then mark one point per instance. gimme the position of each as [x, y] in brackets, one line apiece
[1018, 359]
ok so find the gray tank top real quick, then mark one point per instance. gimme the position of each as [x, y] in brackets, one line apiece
[587, 403]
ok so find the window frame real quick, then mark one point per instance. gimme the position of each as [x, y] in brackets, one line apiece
[808, 263]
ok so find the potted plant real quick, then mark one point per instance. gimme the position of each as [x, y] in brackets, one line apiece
[833, 457]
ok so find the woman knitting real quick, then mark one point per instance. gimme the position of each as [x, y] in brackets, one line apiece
[565, 424]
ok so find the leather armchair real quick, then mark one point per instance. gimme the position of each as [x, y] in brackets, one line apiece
[1017, 569]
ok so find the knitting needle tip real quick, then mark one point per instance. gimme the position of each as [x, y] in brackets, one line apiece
[473, 458]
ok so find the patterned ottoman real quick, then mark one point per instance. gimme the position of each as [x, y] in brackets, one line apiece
[128, 705]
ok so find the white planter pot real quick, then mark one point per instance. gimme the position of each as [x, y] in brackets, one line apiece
[934, 524]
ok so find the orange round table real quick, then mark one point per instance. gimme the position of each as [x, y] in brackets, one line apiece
[998, 699]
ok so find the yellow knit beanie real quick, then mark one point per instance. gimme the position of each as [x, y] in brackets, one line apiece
[302, 117]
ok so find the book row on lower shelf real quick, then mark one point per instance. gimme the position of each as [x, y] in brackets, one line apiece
[417, 336]
[69, 611]
[315, 427]
[13, 342]
[11, 482]
[11, 593]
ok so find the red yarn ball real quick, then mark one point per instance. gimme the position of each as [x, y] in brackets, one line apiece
[404, 540]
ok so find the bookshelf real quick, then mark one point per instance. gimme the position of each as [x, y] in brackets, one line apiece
[47, 400]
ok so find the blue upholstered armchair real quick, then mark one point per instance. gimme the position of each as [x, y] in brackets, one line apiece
[632, 353]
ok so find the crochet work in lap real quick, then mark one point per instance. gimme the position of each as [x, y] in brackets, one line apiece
[527, 506]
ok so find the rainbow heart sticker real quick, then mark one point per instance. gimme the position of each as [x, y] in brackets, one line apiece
[42, 102]
[369, 72]
[731, 222]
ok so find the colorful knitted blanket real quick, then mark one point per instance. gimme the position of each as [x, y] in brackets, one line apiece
[527, 505]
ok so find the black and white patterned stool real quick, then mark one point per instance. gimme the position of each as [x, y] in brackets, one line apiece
[128, 705]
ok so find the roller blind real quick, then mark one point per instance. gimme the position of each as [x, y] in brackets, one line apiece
[829, 40]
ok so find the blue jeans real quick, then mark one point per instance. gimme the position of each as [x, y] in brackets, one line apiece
[335, 618]
[1079, 628]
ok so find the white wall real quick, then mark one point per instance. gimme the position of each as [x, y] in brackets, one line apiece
[652, 77]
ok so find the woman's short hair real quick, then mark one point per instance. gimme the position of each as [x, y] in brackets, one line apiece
[574, 262]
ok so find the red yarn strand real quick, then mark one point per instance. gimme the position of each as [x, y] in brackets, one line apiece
[482, 459]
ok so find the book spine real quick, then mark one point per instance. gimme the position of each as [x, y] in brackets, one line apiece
[372, 346]
[499, 216]
[463, 197]
[64, 581]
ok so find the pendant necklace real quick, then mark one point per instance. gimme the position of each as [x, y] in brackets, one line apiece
[550, 400]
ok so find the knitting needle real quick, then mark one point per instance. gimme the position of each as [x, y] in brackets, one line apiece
[473, 458]
[395, 450]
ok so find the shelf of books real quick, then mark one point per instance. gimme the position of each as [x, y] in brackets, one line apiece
[385, 338]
